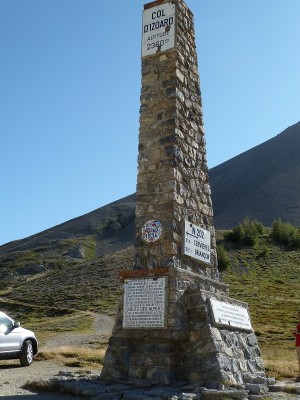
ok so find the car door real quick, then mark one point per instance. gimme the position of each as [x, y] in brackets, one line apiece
[10, 338]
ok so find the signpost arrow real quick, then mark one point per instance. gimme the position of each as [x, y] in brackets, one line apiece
[196, 242]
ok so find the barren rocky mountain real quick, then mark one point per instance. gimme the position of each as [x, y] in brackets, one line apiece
[263, 183]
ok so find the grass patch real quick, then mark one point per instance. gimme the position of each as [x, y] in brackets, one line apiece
[77, 322]
[280, 361]
[48, 322]
[74, 356]
[26, 312]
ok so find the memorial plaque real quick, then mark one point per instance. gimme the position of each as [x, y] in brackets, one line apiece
[225, 314]
[144, 303]
[158, 29]
[196, 242]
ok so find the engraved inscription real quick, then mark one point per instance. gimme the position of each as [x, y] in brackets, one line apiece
[230, 315]
[144, 303]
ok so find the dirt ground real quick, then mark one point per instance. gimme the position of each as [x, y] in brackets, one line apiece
[13, 377]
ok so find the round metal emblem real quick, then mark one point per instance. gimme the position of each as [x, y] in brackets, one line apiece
[151, 231]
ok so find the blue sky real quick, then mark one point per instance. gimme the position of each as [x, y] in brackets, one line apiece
[69, 97]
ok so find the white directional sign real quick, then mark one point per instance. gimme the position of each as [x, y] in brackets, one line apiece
[225, 314]
[196, 242]
[158, 29]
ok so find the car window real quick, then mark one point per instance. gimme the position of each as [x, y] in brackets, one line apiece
[5, 322]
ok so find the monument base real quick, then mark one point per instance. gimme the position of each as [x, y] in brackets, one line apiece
[199, 342]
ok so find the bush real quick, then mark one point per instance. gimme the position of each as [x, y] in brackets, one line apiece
[295, 239]
[235, 235]
[264, 251]
[223, 258]
[285, 233]
[247, 232]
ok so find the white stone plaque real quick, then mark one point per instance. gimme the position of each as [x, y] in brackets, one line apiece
[144, 303]
[158, 29]
[225, 314]
[196, 242]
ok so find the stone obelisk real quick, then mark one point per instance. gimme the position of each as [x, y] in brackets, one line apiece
[175, 320]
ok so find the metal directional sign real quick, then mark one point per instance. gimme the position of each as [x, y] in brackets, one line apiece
[196, 242]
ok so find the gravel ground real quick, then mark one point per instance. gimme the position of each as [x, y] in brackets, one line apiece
[13, 377]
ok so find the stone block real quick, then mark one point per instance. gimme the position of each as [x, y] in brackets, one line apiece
[194, 336]
[256, 389]
[194, 376]
[259, 364]
[243, 365]
[161, 375]
[206, 348]
[216, 334]
[178, 199]
[210, 394]
[135, 372]
[163, 57]
[209, 364]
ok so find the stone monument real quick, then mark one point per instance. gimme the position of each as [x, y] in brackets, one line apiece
[175, 320]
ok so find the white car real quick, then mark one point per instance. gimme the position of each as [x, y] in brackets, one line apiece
[16, 342]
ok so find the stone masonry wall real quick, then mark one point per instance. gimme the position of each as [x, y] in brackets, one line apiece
[172, 183]
[192, 349]
[173, 186]
[218, 355]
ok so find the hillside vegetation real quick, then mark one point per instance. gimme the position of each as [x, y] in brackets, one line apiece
[264, 274]
[89, 286]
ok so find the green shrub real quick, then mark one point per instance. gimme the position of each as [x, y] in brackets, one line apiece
[246, 233]
[295, 238]
[223, 258]
[264, 251]
[285, 233]
[235, 235]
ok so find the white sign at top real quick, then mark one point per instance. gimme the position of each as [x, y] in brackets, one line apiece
[158, 29]
[196, 242]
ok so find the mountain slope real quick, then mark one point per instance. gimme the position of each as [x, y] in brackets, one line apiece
[103, 231]
[93, 223]
[263, 183]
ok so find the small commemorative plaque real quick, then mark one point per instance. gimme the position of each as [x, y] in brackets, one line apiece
[225, 314]
[144, 303]
[151, 231]
[196, 242]
[158, 29]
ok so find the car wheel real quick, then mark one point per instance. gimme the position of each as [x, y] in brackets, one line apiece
[27, 354]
